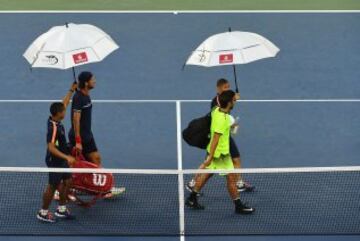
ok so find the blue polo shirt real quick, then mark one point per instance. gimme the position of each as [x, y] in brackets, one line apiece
[56, 134]
[82, 103]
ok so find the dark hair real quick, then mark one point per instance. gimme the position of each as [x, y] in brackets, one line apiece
[226, 97]
[56, 107]
[221, 82]
[84, 77]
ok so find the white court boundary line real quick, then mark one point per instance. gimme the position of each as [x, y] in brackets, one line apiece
[185, 101]
[271, 170]
[178, 11]
[180, 169]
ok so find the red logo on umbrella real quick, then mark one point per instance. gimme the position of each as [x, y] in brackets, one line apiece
[226, 58]
[80, 58]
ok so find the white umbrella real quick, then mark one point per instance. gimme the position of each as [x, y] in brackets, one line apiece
[68, 46]
[231, 48]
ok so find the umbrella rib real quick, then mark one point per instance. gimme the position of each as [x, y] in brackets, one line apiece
[37, 54]
[104, 37]
[48, 51]
[96, 54]
[208, 62]
[252, 46]
[215, 51]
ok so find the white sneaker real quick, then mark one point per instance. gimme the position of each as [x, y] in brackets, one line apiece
[244, 186]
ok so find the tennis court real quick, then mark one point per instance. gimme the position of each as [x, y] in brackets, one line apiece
[299, 109]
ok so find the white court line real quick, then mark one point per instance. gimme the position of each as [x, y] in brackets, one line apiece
[179, 11]
[187, 101]
[180, 169]
[270, 170]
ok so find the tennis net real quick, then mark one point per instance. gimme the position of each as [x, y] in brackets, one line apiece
[318, 200]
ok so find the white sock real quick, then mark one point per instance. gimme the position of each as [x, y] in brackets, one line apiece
[44, 212]
[61, 208]
[240, 182]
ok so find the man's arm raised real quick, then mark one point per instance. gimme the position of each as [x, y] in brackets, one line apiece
[66, 99]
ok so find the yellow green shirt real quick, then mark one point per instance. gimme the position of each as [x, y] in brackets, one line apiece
[220, 123]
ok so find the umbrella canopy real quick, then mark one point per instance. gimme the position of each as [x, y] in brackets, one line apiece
[232, 48]
[68, 46]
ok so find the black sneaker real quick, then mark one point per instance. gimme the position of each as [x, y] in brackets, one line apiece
[244, 186]
[242, 208]
[48, 218]
[193, 204]
[190, 187]
[64, 215]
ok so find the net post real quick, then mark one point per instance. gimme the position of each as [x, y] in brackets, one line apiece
[180, 173]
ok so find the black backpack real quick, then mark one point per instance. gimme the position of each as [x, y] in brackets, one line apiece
[197, 133]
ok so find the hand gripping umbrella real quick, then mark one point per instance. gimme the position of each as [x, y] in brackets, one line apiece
[68, 46]
[232, 48]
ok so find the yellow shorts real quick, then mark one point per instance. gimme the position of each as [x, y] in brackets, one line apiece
[224, 162]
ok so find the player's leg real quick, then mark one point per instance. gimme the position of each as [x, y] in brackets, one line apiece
[47, 196]
[192, 200]
[226, 163]
[62, 211]
[64, 190]
[231, 179]
[235, 156]
[44, 214]
[240, 207]
[200, 181]
[91, 152]
[236, 159]
[191, 184]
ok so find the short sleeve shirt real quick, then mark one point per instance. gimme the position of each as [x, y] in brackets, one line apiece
[82, 103]
[220, 123]
[56, 135]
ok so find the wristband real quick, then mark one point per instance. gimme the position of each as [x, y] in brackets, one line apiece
[78, 140]
[72, 91]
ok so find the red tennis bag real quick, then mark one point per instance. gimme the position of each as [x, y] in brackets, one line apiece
[95, 184]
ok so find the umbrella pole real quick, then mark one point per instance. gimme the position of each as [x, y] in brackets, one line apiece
[236, 84]
[234, 68]
[74, 74]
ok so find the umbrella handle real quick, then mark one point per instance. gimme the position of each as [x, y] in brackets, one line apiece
[236, 84]
[74, 74]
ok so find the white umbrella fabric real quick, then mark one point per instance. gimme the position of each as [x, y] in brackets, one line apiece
[68, 46]
[231, 48]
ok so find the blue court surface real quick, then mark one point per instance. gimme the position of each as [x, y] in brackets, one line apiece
[318, 60]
